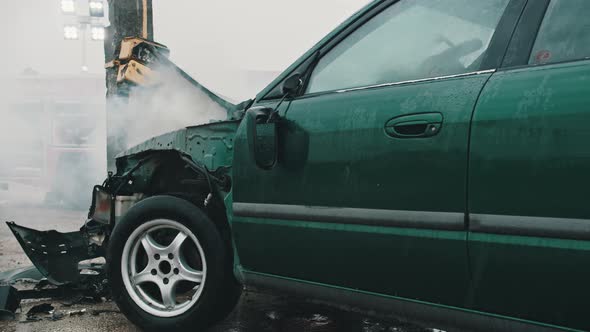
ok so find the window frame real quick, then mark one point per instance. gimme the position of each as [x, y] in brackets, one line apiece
[307, 62]
[533, 42]
[492, 60]
[522, 43]
[523, 39]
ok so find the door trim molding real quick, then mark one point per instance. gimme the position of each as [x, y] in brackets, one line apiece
[566, 228]
[421, 80]
[356, 216]
[390, 84]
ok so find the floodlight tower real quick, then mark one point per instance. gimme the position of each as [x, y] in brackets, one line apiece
[80, 24]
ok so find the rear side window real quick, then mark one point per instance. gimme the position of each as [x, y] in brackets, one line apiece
[412, 39]
[564, 34]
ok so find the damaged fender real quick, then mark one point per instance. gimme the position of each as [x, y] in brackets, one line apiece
[193, 163]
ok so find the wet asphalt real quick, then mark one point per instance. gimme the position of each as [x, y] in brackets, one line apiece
[256, 311]
[272, 313]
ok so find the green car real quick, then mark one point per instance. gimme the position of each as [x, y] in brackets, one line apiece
[428, 159]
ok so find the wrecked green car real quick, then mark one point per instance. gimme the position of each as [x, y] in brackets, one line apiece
[427, 159]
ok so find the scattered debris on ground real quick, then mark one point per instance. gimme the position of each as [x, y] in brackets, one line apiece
[57, 315]
[104, 311]
[9, 302]
[82, 299]
[43, 308]
[77, 312]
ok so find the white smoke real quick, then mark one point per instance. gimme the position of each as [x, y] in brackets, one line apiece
[52, 136]
[170, 104]
[53, 143]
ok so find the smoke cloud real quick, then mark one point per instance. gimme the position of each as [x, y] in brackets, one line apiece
[51, 139]
[171, 103]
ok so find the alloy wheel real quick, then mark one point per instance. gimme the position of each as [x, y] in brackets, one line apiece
[163, 268]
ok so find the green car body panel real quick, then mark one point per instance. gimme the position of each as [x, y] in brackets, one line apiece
[211, 144]
[530, 157]
[485, 213]
[336, 143]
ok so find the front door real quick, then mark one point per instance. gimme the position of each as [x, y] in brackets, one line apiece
[370, 189]
[529, 174]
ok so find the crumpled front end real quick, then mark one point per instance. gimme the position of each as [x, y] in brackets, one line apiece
[193, 163]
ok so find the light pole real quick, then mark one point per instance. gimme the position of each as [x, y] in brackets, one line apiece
[80, 23]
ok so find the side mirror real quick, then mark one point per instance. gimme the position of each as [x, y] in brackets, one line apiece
[262, 136]
[290, 86]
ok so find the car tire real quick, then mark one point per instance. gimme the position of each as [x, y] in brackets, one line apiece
[146, 271]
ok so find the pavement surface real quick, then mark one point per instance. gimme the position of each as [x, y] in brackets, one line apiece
[256, 312]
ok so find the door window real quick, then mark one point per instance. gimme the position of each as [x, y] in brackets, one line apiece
[412, 39]
[564, 34]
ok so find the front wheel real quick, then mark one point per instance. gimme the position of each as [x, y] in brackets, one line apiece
[168, 266]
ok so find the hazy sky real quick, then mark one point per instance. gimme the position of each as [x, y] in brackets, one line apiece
[212, 40]
[222, 37]
[31, 32]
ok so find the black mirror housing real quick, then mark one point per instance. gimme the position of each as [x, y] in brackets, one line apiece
[262, 137]
[290, 85]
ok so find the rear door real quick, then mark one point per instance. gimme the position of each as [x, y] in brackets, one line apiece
[370, 189]
[529, 174]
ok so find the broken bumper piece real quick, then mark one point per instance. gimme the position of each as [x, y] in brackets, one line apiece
[56, 255]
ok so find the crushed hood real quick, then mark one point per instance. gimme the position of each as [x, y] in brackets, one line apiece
[209, 144]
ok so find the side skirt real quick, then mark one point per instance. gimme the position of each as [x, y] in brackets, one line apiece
[426, 314]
